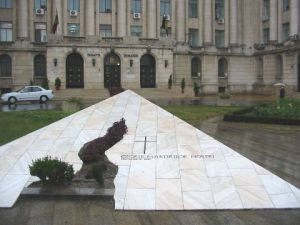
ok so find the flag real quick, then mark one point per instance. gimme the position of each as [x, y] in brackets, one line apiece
[55, 24]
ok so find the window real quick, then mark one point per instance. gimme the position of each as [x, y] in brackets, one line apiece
[266, 35]
[193, 9]
[5, 66]
[136, 6]
[73, 29]
[165, 7]
[196, 68]
[220, 42]
[222, 68]
[285, 5]
[40, 66]
[35, 89]
[136, 31]
[5, 4]
[193, 37]
[40, 4]
[74, 5]
[105, 5]
[279, 68]
[5, 32]
[266, 9]
[285, 31]
[105, 30]
[40, 32]
[219, 7]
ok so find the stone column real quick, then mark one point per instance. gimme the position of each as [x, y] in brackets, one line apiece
[273, 20]
[207, 22]
[57, 7]
[233, 22]
[180, 21]
[294, 22]
[151, 19]
[90, 17]
[121, 18]
[22, 19]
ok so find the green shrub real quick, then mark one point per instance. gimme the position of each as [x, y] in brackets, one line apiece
[284, 108]
[196, 89]
[182, 85]
[224, 95]
[52, 171]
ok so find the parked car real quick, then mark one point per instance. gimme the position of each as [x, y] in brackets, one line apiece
[28, 93]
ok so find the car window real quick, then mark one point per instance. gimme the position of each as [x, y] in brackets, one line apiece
[35, 89]
[25, 90]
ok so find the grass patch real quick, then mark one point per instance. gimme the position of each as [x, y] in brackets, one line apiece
[284, 108]
[16, 124]
[194, 114]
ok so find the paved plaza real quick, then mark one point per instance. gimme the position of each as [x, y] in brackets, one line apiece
[164, 163]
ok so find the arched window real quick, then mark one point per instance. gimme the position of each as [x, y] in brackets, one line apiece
[40, 68]
[222, 67]
[5, 66]
[279, 69]
[196, 67]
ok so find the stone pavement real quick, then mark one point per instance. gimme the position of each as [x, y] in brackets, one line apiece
[255, 141]
[209, 175]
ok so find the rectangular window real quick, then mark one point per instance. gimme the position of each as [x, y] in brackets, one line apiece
[193, 9]
[105, 6]
[5, 32]
[266, 9]
[266, 35]
[220, 41]
[40, 4]
[136, 6]
[285, 5]
[40, 32]
[165, 7]
[6, 4]
[136, 31]
[74, 5]
[105, 30]
[193, 37]
[285, 31]
[219, 7]
[73, 29]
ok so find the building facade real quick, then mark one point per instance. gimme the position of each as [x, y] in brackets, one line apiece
[240, 46]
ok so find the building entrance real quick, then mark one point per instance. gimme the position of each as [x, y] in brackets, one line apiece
[112, 71]
[74, 71]
[147, 71]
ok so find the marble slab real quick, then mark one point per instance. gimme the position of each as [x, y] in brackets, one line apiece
[182, 168]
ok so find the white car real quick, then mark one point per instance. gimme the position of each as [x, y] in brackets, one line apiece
[28, 93]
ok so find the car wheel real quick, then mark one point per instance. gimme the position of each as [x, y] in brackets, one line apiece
[43, 99]
[12, 100]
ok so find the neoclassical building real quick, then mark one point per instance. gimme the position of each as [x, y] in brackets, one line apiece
[240, 46]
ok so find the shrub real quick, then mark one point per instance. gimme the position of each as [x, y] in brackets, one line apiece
[182, 85]
[170, 82]
[196, 89]
[93, 150]
[224, 95]
[284, 108]
[52, 171]
[57, 83]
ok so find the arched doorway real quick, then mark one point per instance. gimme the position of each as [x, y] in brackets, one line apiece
[147, 71]
[74, 71]
[112, 71]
